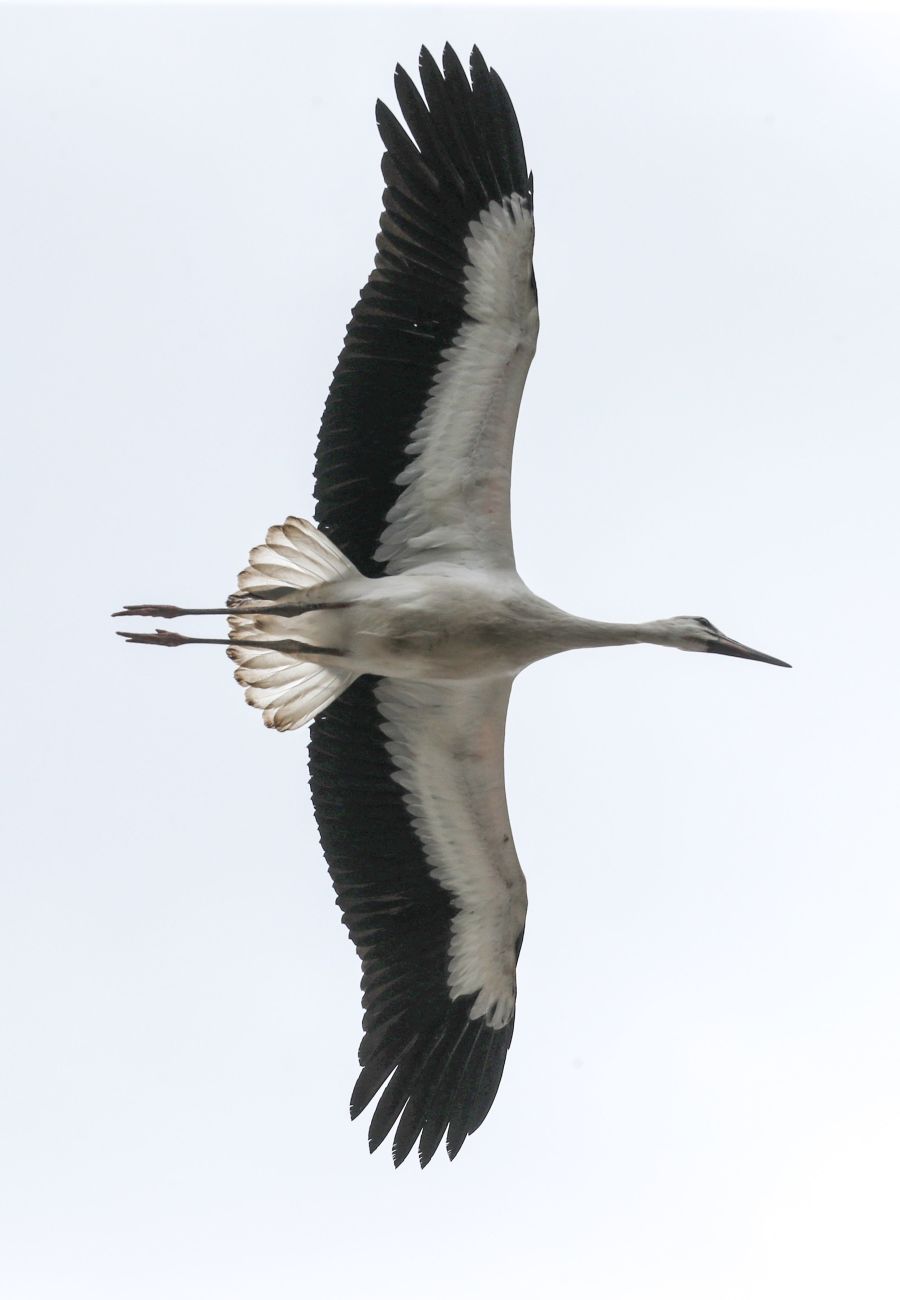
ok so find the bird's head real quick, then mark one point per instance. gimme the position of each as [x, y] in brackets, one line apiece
[691, 632]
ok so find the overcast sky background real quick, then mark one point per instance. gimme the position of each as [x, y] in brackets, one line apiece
[702, 1096]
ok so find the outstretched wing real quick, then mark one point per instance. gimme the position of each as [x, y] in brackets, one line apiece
[414, 455]
[407, 783]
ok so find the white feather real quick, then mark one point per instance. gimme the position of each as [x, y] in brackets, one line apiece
[295, 554]
[446, 742]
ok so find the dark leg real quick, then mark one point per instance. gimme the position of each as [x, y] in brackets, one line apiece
[176, 611]
[163, 611]
[162, 637]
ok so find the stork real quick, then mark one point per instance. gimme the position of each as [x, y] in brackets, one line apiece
[398, 625]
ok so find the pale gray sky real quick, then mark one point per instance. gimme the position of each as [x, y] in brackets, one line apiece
[701, 1099]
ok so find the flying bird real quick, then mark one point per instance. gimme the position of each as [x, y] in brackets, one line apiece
[398, 624]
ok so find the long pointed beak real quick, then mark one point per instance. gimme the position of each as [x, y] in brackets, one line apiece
[725, 646]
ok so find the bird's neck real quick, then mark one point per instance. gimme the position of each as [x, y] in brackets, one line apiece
[587, 633]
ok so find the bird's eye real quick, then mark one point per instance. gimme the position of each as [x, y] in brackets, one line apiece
[704, 622]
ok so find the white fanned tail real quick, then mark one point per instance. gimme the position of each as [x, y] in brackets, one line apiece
[294, 566]
[296, 555]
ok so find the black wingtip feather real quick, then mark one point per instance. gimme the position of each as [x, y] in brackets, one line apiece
[392, 1101]
[425, 1093]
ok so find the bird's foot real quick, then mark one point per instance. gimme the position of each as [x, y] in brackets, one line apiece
[159, 637]
[150, 611]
